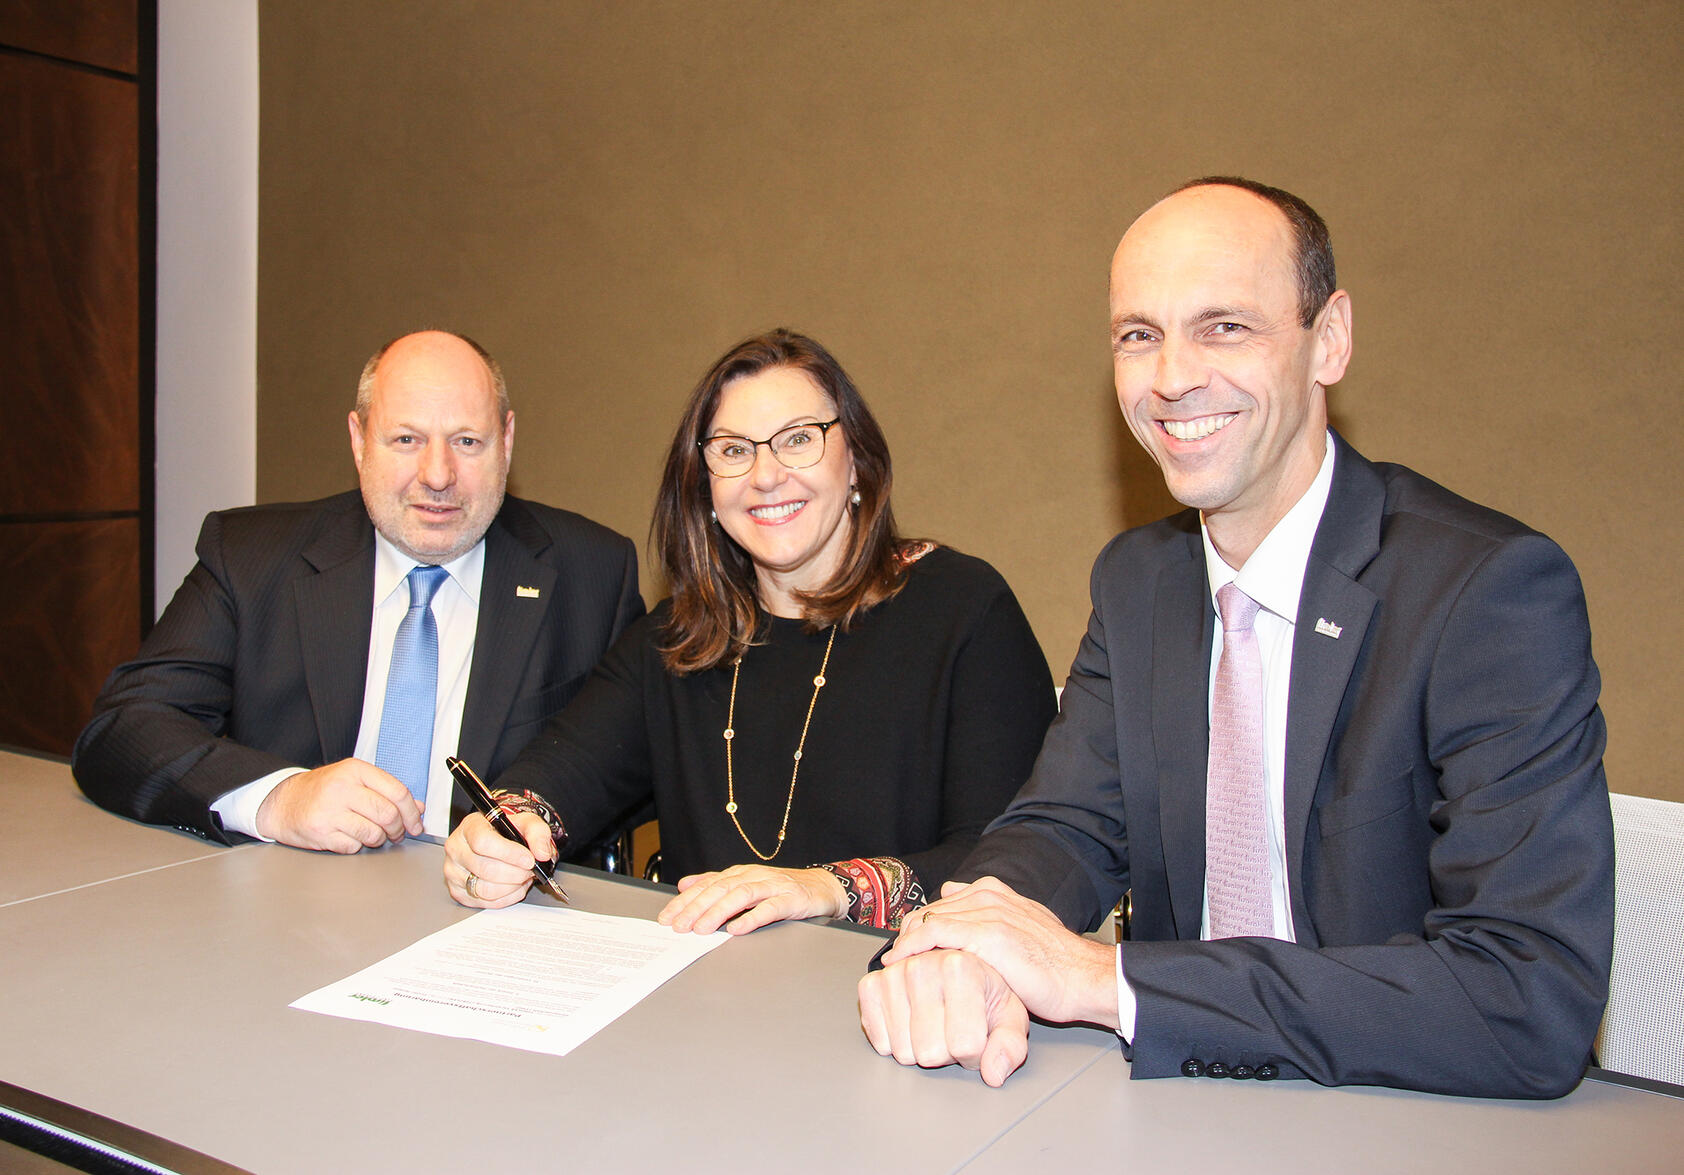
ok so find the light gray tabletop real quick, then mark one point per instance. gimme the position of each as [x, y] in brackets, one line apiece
[160, 1001]
[1104, 1121]
[146, 978]
[52, 837]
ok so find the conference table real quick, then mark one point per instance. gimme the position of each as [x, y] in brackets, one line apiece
[147, 975]
[53, 839]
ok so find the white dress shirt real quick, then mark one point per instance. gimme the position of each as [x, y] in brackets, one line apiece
[1274, 577]
[456, 611]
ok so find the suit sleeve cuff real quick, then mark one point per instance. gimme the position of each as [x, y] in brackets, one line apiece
[237, 810]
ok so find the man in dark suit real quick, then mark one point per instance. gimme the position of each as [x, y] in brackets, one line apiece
[255, 706]
[1421, 847]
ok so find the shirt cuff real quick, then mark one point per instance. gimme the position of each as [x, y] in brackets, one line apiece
[238, 809]
[1127, 1005]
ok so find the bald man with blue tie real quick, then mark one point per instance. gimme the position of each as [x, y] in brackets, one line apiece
[323, 658]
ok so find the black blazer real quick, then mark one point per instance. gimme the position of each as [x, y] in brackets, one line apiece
[261, 658]
[1448, 838]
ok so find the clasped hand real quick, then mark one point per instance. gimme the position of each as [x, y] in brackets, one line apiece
[339, 808]
[967, 971]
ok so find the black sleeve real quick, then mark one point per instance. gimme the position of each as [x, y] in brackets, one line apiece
[154, 750]
[1002, 701]
[591, 762]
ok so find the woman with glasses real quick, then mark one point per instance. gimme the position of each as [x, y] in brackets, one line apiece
[826, 714]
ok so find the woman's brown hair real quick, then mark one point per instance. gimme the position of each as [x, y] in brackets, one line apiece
[715, 608]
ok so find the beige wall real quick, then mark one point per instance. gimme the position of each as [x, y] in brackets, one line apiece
[608, 195]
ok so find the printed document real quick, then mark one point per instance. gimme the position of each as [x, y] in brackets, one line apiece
[531, 977]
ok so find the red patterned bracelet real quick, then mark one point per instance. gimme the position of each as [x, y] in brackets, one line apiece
[881, 890]
[536, 805]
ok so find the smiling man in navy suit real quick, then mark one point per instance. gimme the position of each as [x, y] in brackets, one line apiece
[255, 706]
[1421, 848]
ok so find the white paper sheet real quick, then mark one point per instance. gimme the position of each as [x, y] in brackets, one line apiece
[529, 977]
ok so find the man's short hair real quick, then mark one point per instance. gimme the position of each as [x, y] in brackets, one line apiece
[1312, 253]
[365, 383]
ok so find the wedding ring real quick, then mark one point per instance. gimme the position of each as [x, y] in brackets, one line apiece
[469, 886]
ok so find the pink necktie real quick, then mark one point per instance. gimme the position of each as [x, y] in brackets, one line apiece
[1236, 847]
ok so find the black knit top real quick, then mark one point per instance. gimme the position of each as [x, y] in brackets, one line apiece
[934, 707]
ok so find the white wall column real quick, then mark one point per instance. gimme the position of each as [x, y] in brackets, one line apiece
[207, 271]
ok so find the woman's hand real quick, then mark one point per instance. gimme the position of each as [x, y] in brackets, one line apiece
[751, 896]
[484, 869]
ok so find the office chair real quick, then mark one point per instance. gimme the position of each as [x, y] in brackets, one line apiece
[612, 851]
[1643, 1031]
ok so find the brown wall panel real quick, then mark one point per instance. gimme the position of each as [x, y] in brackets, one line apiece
[101, 33]
[69, 291]
[609, 195]
[69, 612]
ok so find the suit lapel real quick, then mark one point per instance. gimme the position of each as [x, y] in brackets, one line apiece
[1183, 621]
[514, 598]
[335, 612]
[1347, 538]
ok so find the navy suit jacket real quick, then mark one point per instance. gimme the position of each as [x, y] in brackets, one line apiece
[261, 658]
[1448, 839]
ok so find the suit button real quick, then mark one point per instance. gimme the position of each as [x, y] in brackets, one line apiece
[1267, 1072]
[1241, 1072]
[1192, 1067]
[1216, 1069]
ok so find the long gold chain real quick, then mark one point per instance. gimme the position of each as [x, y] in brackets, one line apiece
[794, 772]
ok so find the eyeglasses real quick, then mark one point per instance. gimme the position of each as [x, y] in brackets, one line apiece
[795, 447]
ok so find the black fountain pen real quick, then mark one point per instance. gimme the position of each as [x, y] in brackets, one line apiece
[543, 872]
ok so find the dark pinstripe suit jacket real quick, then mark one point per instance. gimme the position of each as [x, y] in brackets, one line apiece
[260, 660]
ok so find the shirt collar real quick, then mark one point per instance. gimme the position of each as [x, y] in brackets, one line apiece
[1274, 575]
[392, 567]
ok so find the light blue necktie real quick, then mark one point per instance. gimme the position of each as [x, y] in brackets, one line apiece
[406, 723]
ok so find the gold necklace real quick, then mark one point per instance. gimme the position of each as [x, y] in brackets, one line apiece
[794, 772]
